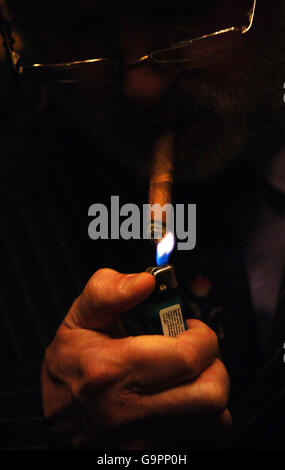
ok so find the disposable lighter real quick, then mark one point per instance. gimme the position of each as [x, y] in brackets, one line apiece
[162, 312]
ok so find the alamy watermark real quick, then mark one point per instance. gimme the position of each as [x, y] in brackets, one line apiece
[132, 222]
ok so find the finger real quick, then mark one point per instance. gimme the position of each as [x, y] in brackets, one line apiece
[106, 295]
[156, 363]
[206, 394]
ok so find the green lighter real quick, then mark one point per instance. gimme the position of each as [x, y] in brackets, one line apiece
[162, 312]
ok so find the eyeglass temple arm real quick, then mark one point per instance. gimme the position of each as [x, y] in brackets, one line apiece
[251, 18]
[245, 29]
[12, 56]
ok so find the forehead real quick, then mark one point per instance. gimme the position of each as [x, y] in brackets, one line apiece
[41, 13]
[80, 7]
[87, 8]
[40, 17]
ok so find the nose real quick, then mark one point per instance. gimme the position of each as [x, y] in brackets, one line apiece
[144, 83]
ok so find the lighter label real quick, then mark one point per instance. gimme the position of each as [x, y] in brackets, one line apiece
[172, 320]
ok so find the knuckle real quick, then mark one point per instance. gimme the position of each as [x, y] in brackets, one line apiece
[212, 338]
[92, 287]
[48, 356]
[98, 277]
[197, 349]
[98, 372]
[204, 329]
[53, 351]
[104, 389]
[127, 407]
[188, 360]
[94, 283]
[99, 289]
[102, 272]
[223, 373]
[217, 396]
[135, 360]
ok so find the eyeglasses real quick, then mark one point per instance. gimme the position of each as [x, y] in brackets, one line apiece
[185, 55]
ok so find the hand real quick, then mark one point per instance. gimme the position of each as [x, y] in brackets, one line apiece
[102, 389]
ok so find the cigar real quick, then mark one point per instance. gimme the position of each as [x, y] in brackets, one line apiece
[162, 312]
[160, 185]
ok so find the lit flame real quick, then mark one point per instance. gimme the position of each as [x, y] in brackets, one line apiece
[164, 248]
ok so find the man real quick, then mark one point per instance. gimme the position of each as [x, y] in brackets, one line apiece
[99, 386]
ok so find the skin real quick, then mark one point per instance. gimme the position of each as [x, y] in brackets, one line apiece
[105, 389]
[97, 384]
[223, 101]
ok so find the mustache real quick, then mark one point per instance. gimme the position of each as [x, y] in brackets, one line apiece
[203, 102]
[169, 110]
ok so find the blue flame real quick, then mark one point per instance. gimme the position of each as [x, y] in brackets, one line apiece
[164, 248]
[161, 260]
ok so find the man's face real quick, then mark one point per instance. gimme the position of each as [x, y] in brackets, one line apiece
[212, 110]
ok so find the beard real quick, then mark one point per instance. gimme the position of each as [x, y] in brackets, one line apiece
[213, 124]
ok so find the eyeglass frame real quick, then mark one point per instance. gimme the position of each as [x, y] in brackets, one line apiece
[14, 57]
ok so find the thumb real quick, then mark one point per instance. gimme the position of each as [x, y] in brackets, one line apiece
[107, 294]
